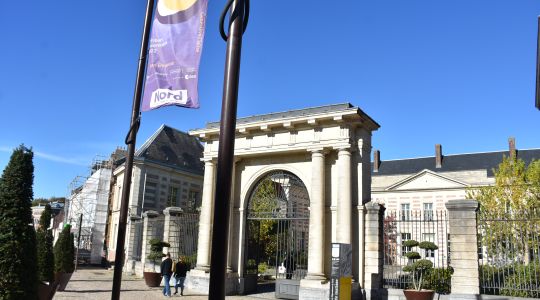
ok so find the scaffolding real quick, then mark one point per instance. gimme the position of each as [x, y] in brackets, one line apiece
[88, 196]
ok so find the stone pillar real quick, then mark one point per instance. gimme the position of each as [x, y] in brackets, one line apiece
[129, 264]
[373, 268]
[344, 205]
[463, 247]
[148, 218]
[231, 219]
[171, 230]
[205, 223]
[316, 218]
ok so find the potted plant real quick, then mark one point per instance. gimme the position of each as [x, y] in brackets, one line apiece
[153, 279]
[419, 269]
[64, 257]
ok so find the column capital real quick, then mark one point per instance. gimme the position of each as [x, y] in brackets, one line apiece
[462, 205]
[150, 214]
[343, 149]
[172, 211]
[209, 160]
[317, 149]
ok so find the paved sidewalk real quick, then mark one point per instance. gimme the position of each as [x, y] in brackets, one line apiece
[96, 283]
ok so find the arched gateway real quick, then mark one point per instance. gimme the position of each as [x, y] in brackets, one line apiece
[277, 232]
[300, 179]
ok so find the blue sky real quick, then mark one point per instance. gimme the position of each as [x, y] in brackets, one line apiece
[460, 73]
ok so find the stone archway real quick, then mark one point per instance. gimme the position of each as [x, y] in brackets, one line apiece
[327, 147]
[277, 231]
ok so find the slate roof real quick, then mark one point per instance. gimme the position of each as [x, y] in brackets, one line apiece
[295, 113]
[452, 163]
[174, 148]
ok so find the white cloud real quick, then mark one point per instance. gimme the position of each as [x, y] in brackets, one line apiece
[50, 157]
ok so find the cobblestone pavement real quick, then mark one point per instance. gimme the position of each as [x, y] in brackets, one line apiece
[96, 283]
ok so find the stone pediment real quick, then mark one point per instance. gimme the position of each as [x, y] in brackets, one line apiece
[426, 180]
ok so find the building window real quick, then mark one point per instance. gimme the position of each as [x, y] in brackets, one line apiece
[428, 211]
[405, 212]
[429, 237]
[172, 198]
[405, 237]
[193, 201]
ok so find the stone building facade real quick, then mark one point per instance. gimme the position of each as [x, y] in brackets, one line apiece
[167, 172]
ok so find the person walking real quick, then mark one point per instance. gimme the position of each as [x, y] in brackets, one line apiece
[180, 271]
[166, 271]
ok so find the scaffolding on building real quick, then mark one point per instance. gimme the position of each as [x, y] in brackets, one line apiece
[88, 195]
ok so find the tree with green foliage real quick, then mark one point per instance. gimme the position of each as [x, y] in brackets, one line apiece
[515, 197]
[265, 204]
[18, 269]
[44, 238]
[64, 251]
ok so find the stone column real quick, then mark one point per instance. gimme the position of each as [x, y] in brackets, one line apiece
[148, 217]
[463, 247]
[373, 268]
[231, 219]
[344, 205]
[205, 223]
[316, 218]
[171, 230]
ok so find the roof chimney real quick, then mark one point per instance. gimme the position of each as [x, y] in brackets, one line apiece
[376, 160]
[438, 156]
[512, 147]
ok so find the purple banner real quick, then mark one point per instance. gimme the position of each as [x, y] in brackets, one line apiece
[174, 54]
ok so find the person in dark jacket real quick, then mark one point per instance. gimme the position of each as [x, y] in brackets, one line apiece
[180, 271]
[166, 272]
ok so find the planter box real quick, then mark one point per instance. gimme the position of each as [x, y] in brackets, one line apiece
[419, 295]
[152, 279]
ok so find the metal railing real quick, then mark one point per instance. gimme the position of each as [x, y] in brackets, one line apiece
[509, 248]
[418, 225]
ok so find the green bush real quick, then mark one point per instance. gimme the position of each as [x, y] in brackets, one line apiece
[523, 281]
[64, 251]
[439, 280]
[262, 267]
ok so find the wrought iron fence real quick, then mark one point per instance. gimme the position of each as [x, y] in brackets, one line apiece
[509, 248]
[185, 235]
[421, 225]
[137, 239]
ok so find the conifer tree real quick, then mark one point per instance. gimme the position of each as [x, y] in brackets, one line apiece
[64, 251]
[45, 257]
[18, 279]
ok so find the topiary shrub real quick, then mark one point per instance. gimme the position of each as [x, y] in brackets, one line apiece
[64, 251]
[419, 268]
[156, 250]
[44, 239]
[18, 272]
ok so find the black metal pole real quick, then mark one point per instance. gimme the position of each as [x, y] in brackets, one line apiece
[538, 67]
[78, 242]
[130, 141]
[225, 158]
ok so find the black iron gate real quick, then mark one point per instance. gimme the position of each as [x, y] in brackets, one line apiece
[277, 232]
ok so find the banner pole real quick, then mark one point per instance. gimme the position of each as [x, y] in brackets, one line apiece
[222, 196]
[130, 141]
[537, 96]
